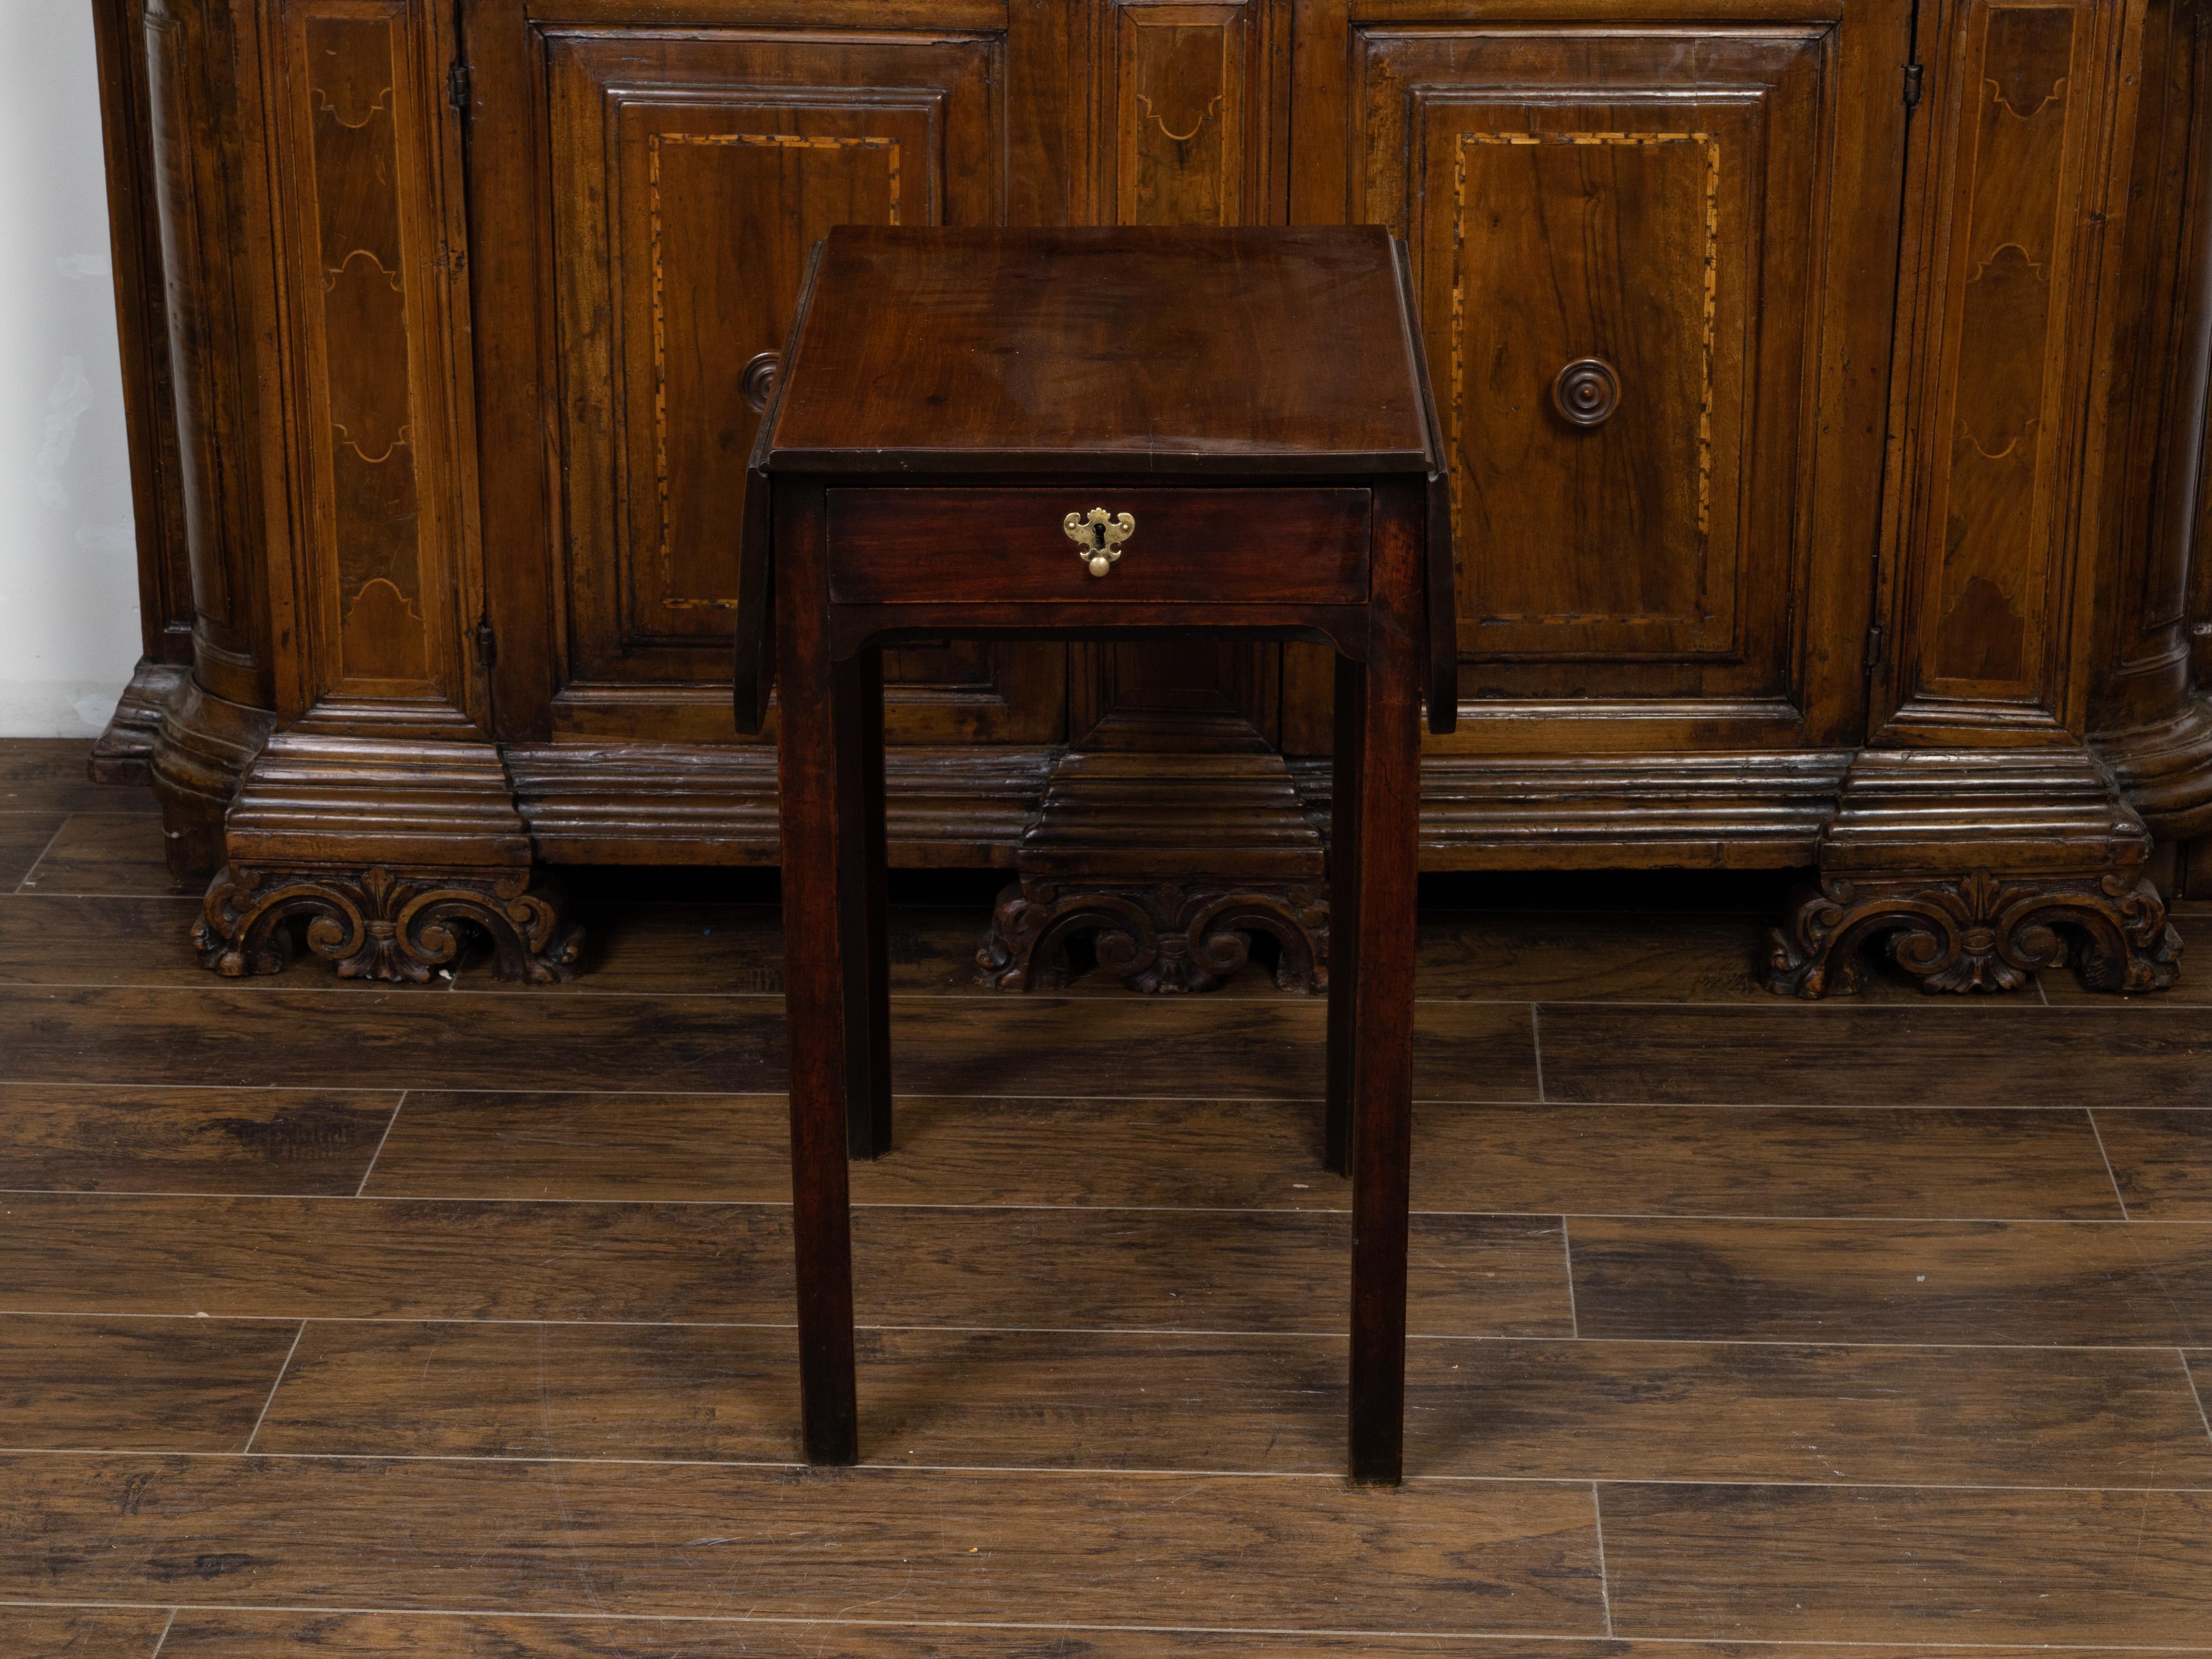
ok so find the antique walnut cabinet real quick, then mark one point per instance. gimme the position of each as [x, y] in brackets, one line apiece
[1823, 383]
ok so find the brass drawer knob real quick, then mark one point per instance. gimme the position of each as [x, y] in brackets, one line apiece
[1586, 393]
[1098, 536]
[756, 379]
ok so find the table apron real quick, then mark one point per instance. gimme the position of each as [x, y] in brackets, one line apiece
[1347, 629]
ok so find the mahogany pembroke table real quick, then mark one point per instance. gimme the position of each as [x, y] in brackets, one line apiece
[1087, 434]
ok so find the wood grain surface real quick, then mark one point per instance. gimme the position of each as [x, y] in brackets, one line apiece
[102, 852]
[62, 1632]
[1951, 1052]
[1608, 1159]
[73, 940]
[2161, 1160]
[138, 1384]
[1225, 1552]
[149, 1138]
[1085, 1269]
[1894, 1563]
[222, 1035]
[2086, 1283]
[1552, 1408]
[241, 1635]
[23, 837]
[455, 1323]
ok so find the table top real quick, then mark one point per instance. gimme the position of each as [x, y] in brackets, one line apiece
[1263, 352]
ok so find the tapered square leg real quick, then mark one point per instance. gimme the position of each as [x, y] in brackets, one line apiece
[1379, 880]
[1344, 912]
[864, 903]
[833, 1008]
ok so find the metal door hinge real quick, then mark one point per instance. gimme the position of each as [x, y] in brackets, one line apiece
[1877, 646]
[487, 644]
[1912, 86]
[456, 88]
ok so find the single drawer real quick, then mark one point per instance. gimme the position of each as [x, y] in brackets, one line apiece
[1103, 545]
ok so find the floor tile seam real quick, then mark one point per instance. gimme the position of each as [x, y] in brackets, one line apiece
[1887, 1218]
[270, 1400]
[1604, 1578]
[322, 1091]
[360, 1189]
[585, 1615]
[2203, 1407]
[23, 882]
[1843, 1649]
[2112, 1173]
[1325, 1474]
[267, 984]
[1216, 1098]
[1567, 1256]
[1176, 1332]
[97, 893]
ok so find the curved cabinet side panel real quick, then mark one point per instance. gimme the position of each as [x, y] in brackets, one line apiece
[200, 93]
[2148, 723]
[125, 751]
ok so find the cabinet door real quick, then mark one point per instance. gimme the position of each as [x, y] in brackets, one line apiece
[687, 168]
[1704, 216]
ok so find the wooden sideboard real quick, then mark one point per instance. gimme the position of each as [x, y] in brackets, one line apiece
[1825, 384]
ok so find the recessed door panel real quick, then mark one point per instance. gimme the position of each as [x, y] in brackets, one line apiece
[692, 176]
[1581, 270]
[1640, 257]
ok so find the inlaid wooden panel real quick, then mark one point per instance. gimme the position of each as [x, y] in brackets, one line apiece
[1185, 90]
[693, 179]
[1706, 208]
[378, 517]
[1186, 110]
[2009, 265]
[1567, 200]
[2005, 420]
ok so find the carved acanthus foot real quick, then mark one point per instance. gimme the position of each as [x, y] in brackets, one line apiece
[383, 924]
[1167, 937]
[1981, 933]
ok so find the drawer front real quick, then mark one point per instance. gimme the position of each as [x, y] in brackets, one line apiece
[1015, 547]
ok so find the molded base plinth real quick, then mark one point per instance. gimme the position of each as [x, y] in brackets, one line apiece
[380, 923]
[1165, 937]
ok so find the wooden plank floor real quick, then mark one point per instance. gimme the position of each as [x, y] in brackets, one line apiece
[452, 1322]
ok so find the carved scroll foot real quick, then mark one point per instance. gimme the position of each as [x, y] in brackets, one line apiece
[1165, 938]
[385, 924]
[1980, 933]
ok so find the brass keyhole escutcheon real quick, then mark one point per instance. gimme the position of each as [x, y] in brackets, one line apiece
[1098, 536]
[1586, 393]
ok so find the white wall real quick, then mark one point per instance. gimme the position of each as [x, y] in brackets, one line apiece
[69, 574]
